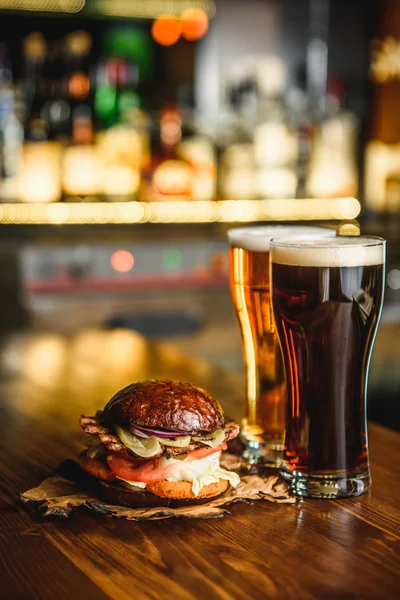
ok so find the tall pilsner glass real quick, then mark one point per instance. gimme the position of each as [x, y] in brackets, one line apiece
[327, 299]
[263, 427]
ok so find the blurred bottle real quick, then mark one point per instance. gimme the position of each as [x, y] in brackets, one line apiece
[11, 129]
[167, 177]
[66, 84]
[78, 45]
[34, 51]
[116, 90]
[123, 137]
[237, 177]
[304, 126]
[257, 144]
[82, 170]
[105, 102]
[333, 168]
[46, 120]
[198, 150]
[56, 110]
[6, 75]
[382, 152]
[275, 141]
[183, 162]
[81, 166]
[120, 148]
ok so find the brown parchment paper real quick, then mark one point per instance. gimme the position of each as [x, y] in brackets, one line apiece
[59, 496]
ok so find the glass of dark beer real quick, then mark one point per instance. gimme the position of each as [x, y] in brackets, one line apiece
[327, 299]
[263, 426]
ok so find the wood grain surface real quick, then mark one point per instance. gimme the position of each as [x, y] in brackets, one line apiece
[314, 549]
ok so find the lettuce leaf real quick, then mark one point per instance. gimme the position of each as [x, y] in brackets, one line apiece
[213, 477]
[200, 472]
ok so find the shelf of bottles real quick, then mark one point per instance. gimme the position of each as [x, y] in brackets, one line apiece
[79, 146]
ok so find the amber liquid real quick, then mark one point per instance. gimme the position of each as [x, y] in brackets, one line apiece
[327, 319]
[265, 380]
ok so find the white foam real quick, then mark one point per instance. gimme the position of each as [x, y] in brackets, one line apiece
[323, 252]
[258, 239]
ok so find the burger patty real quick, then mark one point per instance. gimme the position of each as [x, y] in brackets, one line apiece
[97, 426]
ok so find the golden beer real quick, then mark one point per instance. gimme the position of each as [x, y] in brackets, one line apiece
[263, 426]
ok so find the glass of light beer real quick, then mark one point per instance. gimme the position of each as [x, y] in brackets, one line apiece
[263, 426]
[327, 297]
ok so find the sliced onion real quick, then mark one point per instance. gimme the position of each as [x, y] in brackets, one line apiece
[216, 438]
[148, 431]
[138, 432]
[144, 447]
[180, 442]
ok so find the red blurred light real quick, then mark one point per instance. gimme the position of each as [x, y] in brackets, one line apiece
[122, 261]
[117, 70]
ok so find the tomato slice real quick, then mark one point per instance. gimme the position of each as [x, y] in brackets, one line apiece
[134, 461]
[147, 473]
[203, 452]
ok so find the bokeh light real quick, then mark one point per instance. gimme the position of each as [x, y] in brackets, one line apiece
[122, 261]
[87, 210]
[172, 259]
[393, 279]
[166, 30]
[194, 24]
[69, 6]
[79, 85]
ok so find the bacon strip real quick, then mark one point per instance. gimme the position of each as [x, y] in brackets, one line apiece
[232, 430]
[98, 426]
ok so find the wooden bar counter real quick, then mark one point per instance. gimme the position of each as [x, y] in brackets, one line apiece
[312, 549]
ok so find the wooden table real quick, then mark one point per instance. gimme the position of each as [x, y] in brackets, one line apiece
[313, 549]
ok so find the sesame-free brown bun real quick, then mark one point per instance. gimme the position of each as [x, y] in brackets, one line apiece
[165, 405]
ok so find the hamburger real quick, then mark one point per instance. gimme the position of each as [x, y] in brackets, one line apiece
[158, 443]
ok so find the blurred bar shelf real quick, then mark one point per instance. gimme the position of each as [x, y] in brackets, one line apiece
[141, 283]
[185, 212]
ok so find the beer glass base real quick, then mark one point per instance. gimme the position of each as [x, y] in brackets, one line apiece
[268, 454]
[327, 486]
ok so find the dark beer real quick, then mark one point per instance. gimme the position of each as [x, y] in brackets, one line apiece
[327, 298]
[264, 422]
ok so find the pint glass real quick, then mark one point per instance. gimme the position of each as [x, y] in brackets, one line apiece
[327, 298]
[263, 427]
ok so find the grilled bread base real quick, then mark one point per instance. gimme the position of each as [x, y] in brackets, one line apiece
[115, 493]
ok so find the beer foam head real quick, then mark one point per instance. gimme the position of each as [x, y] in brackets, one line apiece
[258, 239]
[329, 252]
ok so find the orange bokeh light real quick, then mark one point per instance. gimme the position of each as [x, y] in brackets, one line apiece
[79, 85]
[194, 24]
[122, 261]
[166, 30]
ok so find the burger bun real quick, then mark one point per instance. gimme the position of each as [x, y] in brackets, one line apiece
[114, 493]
